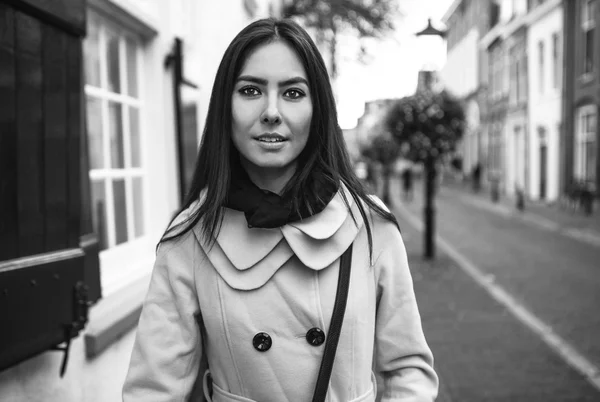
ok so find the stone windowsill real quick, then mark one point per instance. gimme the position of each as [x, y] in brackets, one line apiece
[114, 316]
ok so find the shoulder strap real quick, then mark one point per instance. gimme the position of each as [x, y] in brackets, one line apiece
[335, 328]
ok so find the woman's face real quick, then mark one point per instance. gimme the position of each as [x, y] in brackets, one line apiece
[272, 110]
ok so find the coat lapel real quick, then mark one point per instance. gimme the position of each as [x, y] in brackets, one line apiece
[246, 258]
[318, 252]
[243, 246]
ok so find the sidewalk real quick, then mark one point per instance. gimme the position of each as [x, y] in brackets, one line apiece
[552, 212]
[573, 224]
[483, 353]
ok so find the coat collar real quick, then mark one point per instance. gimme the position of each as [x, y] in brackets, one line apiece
[246, 258]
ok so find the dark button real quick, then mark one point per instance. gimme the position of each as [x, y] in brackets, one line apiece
[262, 342]
[315, 336]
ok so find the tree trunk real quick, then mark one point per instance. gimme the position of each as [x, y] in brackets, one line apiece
[429, 210]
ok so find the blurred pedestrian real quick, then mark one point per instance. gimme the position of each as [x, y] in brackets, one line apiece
[407, 183]
[477, 177]
[246, 275]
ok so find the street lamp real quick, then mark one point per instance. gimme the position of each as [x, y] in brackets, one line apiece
[433, 38]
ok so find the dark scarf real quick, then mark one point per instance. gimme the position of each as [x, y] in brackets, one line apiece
[265, 209]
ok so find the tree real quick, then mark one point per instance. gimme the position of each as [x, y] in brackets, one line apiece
[384, 150]
[367, 18]
[427, 125]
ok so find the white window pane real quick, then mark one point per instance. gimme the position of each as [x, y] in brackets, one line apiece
[115, 115]
[134, 135]
[112, 61]
[94, 133]
[99, 212]
[132, 68]
[138, 206]
[120, 211]
[92, 53]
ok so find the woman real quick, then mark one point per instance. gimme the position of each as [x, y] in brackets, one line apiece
[246, 275]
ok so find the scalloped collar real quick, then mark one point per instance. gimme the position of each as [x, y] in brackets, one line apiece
[247, 257]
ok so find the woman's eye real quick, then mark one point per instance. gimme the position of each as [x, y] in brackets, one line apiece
[249, 91]
[294, 94]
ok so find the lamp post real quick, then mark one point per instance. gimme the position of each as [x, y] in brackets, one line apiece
[427, 77]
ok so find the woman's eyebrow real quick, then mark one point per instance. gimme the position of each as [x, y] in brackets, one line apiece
[261, 81]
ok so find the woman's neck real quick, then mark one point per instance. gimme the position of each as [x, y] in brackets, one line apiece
[271, 179]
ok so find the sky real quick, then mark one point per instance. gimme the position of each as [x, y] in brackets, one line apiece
[394, 63]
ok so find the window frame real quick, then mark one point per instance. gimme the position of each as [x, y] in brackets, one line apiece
[556, 60]
[585, 133]
[588, 23]
[108, 174]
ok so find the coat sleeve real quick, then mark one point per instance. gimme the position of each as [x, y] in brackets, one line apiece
[403, 358]
[168, 347]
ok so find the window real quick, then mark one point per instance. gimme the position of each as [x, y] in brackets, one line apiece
[494, 16]
[114, 135]
[518, 74]
[588, 25]
[497, 73]
[586, 144]
[556, 60]
[523, 74]
[514, 75]
[541, 77]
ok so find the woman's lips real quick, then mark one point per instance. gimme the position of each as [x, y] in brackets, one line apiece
[271, 142]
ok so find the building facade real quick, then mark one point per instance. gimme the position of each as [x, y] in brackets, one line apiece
[517, 130]
[581, 95]
[144, 122]
[539, 91]
[465, 72]
[545, 71]
[497, 106]
[521, 49]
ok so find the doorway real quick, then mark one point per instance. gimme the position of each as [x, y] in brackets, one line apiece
[543, 170]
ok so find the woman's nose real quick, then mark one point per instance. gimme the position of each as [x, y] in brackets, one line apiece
[271, 113]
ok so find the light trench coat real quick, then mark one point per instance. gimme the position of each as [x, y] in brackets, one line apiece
[281, 282]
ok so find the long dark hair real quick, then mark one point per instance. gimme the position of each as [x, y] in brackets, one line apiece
[325, 152]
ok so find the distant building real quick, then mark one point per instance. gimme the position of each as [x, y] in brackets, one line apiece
[538, 91]
[429, 81]
[580, 145]
[497, 105]
[545, 70]
[517, 130]
[523, 86]
[370, 123]
[505, 17]
[465, 72]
